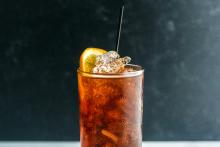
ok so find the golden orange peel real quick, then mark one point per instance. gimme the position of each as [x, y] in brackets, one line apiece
[110, 135]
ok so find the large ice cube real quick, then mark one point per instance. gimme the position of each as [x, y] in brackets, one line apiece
[110, 63]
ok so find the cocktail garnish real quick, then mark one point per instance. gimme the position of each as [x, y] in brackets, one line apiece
[110, 135]
[88, 58]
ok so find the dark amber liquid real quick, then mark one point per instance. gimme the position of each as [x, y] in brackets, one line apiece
[110, 111]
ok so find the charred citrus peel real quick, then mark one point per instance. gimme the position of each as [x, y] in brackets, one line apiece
[88, 58]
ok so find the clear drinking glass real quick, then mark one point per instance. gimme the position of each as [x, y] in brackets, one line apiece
[111, 107]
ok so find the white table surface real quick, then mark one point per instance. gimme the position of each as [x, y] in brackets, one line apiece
[76, 144]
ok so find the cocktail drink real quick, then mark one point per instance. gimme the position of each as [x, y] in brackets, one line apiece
[111, 107]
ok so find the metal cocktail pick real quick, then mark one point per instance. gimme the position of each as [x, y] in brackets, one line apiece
[119, 28]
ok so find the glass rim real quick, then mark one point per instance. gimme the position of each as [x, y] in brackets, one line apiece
[138, 72]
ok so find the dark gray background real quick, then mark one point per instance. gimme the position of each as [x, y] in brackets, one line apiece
[176, 41]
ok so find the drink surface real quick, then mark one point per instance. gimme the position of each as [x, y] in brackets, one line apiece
[110, 111]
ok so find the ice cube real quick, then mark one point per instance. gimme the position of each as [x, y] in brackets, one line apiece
[107, 57]
[125, 60]
[113, 54]
[110, 63]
